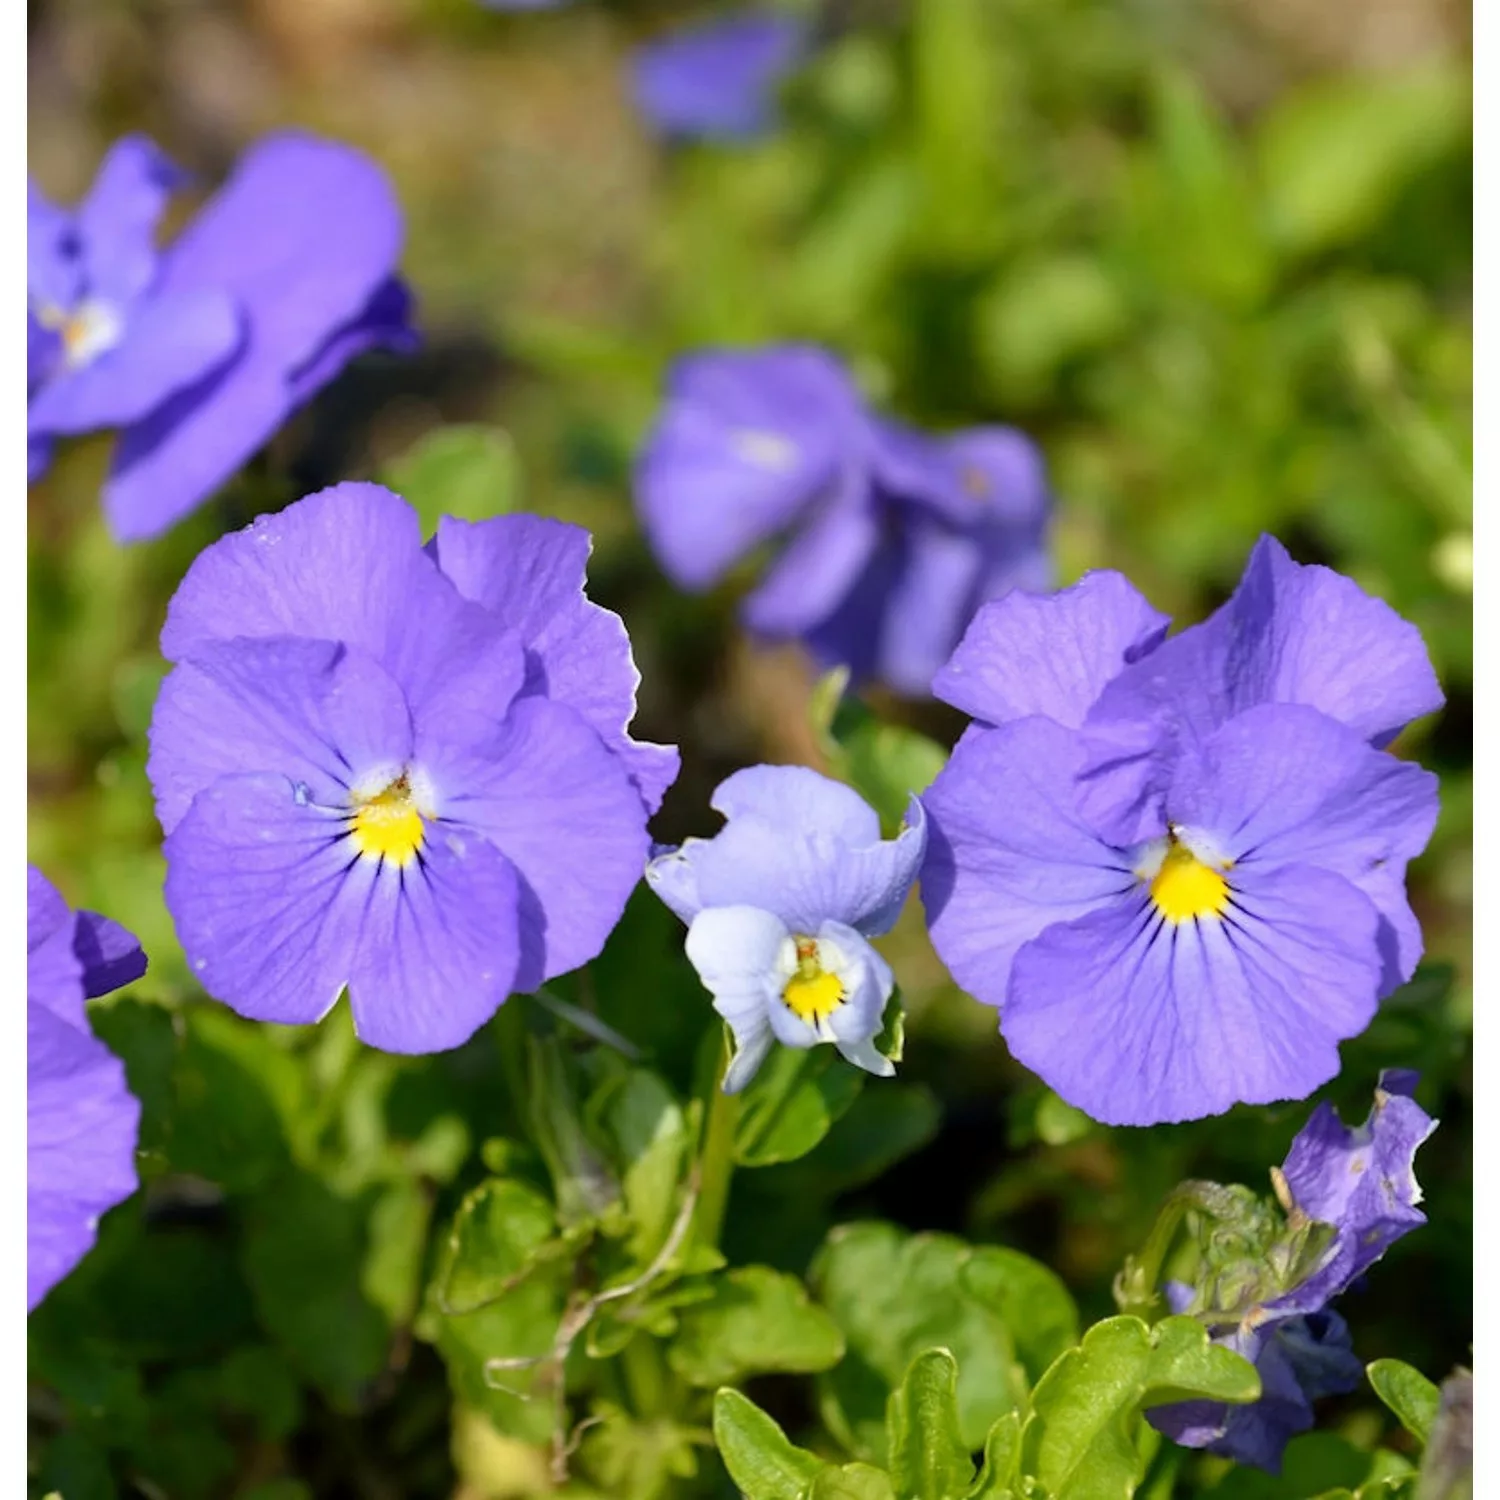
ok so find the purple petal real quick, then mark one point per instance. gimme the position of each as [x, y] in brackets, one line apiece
[313, 712]
[717, 78]
[820, 565]
[529, 572]
[745, 441]
[437, 952]
[170, 342]
[81, 1124]
[930, 603]
[276, 913]
[1052, 654]
[110, 956]
[54, 973]
[347, 564]
[1136, 1021]
[303, 236]
[1362, 1181]
[383, 323]
[1289, 634]
[548, 793]
[1007, 854]
[799, 798]
[117, 221]
[1283, 784]
[54, 268]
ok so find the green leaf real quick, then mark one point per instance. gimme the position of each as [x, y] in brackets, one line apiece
[852, 1482]
[929, 1458]
[1409, 1394]
[1086, 1410]
[463, 470]
[757, 1321]
[792, 1103]
[1033, 1302]
[757, 1454]
[651, 1136]
[894, 1295]
[1002, 1447]
[304, 1256]
[1334, 155]
[503, 1229]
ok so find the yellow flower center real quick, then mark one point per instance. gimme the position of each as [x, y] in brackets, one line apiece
[388, 825]
[1185, 888]
[812, 994]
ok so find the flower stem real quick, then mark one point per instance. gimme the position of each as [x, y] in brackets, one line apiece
[716, 1165]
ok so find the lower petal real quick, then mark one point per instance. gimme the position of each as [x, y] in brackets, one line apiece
[1137, 1021]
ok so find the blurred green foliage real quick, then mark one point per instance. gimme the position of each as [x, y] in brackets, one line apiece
[1220, 310]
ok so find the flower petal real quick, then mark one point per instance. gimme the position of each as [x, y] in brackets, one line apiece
[745, 440]
[311, 711]
[548, 793]
[81, 1124]
[1049, 654]
[1360, 1180]
[347, 564]
[799, 799]
[111, 957]
[1007, 854]
[1136, 1021]
[54, 972]
[1282, 783]
[529, 572]
[438, 946]
[717, 78]
[170, 343]
[932, 599]
[117, 221]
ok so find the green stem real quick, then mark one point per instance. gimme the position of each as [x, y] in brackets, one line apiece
[1135, 1286]
[716, 1165]
[646, 1377]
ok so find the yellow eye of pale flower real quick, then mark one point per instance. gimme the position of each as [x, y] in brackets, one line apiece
[812, 994]
[388, 825]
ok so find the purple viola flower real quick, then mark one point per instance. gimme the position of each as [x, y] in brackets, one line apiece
[1360, 1181]
[780, 905]
[1210, 930]
[891, 538]
[717, 79]
[399, 769]
[81, 1119]
[197, 354]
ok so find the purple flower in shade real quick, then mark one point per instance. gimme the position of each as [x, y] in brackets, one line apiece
[1176, 866]
[779, 906]
[81, 1120]
[892, 538]
[717, 79]
[198, 353]
[402, 769]
[1360, 1181]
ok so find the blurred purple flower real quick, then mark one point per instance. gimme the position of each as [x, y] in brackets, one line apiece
[1177, 867]
[892, 538]
[81, 1119]
[779, 906]
[717, 79]
[1362, 1182]
[198, 353]
[402, 769]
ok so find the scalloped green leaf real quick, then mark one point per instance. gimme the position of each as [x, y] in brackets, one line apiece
[1411, 1396]
[929, 1458]
[760, 1459]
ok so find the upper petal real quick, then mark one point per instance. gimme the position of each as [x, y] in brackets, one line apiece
[314, 712]
[1049, 654]
[117, 220]
[1008, 854]
[529, 572]
[745, 440]
[54, 972]
[1137, 1021]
